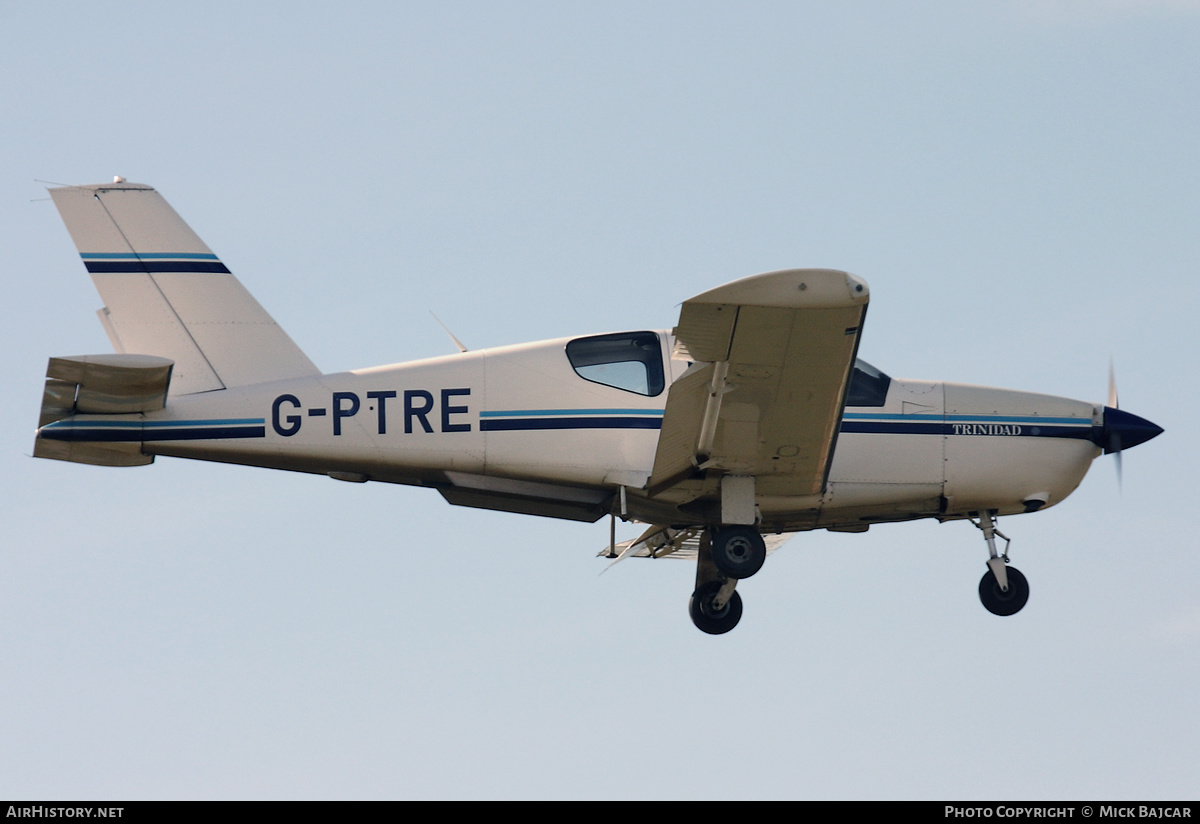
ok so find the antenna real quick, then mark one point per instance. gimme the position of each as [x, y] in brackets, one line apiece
[457, 342]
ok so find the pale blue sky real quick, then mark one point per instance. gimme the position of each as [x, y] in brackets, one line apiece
[1016, 181]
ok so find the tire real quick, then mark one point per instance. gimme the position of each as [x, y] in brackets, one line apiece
[738, 551]
[710, 620]
[999, 602]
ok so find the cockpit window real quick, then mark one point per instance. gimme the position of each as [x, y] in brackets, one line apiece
[631, 361]
[868, 386]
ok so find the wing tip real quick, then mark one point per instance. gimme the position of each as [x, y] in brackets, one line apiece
[794, 288]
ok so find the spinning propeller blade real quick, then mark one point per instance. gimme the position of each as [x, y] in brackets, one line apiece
[1112, 386]
[1115, 403]
[1120, 430]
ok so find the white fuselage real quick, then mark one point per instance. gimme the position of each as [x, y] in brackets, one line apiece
[511, 426]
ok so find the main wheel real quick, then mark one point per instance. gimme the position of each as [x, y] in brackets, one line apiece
[709, 619]
[1000, 602]
[738, 551]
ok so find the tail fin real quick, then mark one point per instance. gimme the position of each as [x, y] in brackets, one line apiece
[167, 294]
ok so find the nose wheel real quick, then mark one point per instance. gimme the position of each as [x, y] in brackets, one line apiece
[1000, 601]
[1003, 590]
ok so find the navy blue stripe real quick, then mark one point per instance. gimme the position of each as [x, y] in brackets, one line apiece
[107, 267]
[509, 424]
[79, 433]
[1027, 430]
[881, 427]
[211, 433]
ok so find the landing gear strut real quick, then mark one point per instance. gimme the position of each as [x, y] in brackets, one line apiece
[1003, 590]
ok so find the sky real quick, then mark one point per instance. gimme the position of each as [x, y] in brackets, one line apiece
[1019, 184]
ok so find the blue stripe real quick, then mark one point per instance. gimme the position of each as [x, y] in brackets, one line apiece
[147, 256]
[75, 422]
[214, 422]
[518, 413]
[1025, 420]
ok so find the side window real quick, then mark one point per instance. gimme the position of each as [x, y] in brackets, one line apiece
[868, 386]
[631, 361]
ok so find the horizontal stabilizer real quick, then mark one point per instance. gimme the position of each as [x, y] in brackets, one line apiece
[110, 384]
[100, 385]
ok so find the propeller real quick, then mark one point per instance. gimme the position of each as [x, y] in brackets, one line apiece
[1120, 430]
[1114, 403]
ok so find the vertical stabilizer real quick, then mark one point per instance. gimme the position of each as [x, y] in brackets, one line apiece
[167, 294]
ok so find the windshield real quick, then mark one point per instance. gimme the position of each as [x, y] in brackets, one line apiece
[868, 386]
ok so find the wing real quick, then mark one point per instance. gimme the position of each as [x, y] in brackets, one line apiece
[759, 410]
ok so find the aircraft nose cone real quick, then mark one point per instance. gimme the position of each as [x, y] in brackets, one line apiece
[1121, 430]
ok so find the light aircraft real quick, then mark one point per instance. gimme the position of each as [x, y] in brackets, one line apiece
[752, 419]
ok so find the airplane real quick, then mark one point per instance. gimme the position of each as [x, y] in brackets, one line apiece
[751, 420]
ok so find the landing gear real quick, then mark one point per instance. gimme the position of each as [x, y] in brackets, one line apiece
[710, 613]
[1000, 601]
[1003, 589]
[725, 557]
[738, 551]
